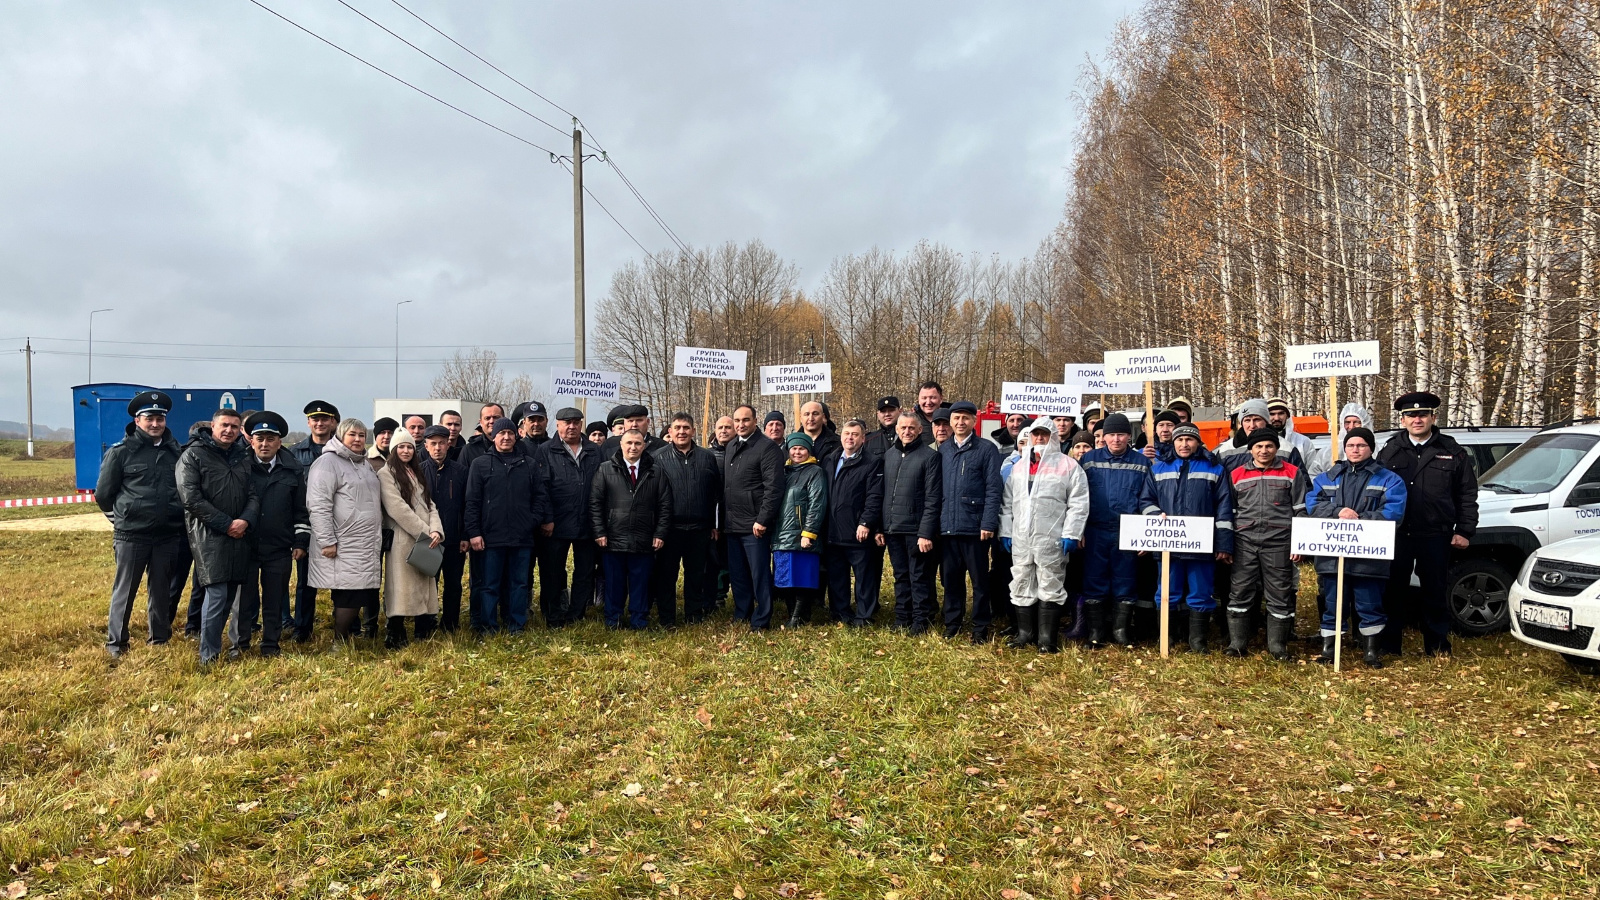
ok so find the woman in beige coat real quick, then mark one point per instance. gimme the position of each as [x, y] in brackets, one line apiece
[409, 512]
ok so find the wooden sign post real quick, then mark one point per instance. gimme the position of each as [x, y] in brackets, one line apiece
[1152, 365]
[1363, 538]
[1167, 535]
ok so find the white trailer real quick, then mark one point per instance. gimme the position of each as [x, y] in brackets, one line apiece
[430, 410]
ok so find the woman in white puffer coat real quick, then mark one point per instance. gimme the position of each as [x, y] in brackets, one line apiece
[1044, 508]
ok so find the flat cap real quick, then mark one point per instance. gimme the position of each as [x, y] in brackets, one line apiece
[384, 424]
[433, 431]
[964, 406]
[571, 414]
[150, 403]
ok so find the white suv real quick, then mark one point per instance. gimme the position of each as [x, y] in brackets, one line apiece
[1544, 491]
[1555, 601]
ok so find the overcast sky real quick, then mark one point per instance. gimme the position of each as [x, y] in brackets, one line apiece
[225, 182]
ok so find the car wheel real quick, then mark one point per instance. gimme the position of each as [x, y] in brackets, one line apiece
[1479, 597]
[1582, 664]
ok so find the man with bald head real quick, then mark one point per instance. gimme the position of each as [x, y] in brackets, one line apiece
[814, 422]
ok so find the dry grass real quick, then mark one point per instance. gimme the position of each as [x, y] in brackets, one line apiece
[709, 763]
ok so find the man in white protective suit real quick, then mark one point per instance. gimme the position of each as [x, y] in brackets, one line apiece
[1044, 508]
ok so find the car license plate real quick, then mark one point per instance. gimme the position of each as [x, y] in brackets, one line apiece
[1557, 617]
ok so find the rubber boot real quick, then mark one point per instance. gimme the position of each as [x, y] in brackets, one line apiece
[1199, 627]
[1080, 627]
[1027, 619]
[1122, 625]
[1326, 657]
[1049, 623]
[1096, 614]
[1238, 633]
[1374, 655]
[1279, 633]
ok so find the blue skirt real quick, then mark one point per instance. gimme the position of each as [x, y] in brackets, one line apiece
[796, 569]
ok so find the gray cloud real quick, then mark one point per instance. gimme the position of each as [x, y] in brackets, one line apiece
[221, 178]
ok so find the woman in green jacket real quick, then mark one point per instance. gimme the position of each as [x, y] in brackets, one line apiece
[797, 546]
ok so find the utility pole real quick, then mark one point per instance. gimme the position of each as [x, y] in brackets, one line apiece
[397, 347]
[579, 314]
[28, 349]
[91, 340]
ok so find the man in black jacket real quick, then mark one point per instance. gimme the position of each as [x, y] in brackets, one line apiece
[281, 535]
[479, 443]
[447, 485]
[220, 509]
[505, 505]
[322, 418]
[696, 481]
[569, 466]
[913, 491]
[138, 490]
[1441, 516]
[855, 509]
[635, 417]
[752, 488]
[630, 511]
[879, 439]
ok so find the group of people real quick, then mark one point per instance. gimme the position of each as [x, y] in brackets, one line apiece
[1019, 527]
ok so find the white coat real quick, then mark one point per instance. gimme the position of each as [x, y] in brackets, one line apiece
[408, 592]
[1036, 513]
[344, 503]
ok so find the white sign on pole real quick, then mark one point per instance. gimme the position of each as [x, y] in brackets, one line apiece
[705, 362]
[589, 383]
[1365, 538]
[1031, 399]
[1179, 534]
[1150, 364]
[1322, 360]
[802, 378]
[1092, 378]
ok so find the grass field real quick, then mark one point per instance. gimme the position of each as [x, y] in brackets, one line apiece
[49, 474]
[824, 763]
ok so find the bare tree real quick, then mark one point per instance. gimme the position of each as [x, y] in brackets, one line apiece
[475, 375]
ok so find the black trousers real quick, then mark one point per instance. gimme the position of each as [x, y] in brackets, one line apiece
[305, 598]
[1000, 582]
[864, 561]
[913, 579]
[965, 556]
[1427, 608]
[688, 549]
[553, 579]
[180, 572]
[265, 591]
[450, 587]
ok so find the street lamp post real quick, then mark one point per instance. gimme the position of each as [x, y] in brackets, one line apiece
[397, 346]
[91, 339]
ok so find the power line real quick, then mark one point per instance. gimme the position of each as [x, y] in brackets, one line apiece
[468, 78]
[408, 84]
[280, 359]
[387, 348]
[607, 211]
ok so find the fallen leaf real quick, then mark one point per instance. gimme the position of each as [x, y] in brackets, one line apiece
[634, 789]
[703, 716]
[973, 770]
[337, 887]
[439, 816]
[1346, 788]
[102, 860]
[436, 882]
[788, 889]
[149, 775]
[150, 811]
[738, 892]
[246, 807]
[124, 852]
[16, 890]
[1515, 824]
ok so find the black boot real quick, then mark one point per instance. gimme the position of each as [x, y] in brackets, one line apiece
[1027, 619]
[1096, 614]
[1199, 627]
[1238, 633]
[1049, 622]
[396, 637]
[1122, 625]
[1374, 655]
[1326, 657]
[1279, 633]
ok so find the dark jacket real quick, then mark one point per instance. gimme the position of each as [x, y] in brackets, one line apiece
[752, 484]
[306, 453]
[284, 524]
[1197, 486]
[1441, 488]
[629, 515]
[1004, 439]
[913, 490]
[214, 484]
[475, 446]
[567, 483]
[972, 487]
[447, 485]
[505, 499]
[1372, 491]
[805, 507]
[138, 487]
[879, 442]
[855, 495]
[1114, 484]
[824, 444]
[696, 486]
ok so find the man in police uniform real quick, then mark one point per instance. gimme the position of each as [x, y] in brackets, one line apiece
[281, 536]
[138, 490]
[321, 418]
[1441, 516]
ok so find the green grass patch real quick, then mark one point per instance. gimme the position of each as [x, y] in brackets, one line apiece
[707, 762]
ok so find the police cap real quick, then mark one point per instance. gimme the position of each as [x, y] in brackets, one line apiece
[321, 408]
[1418, 401]
[150, 403]
[887, 403]
[267, 422]
[617, 414]
[518, 413]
